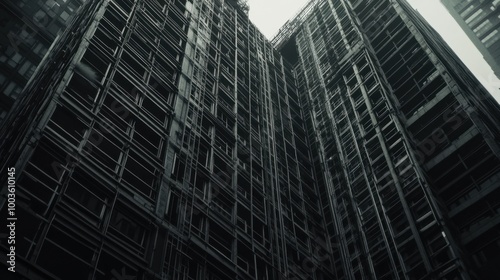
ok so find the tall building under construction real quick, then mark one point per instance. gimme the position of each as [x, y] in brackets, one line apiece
[169, 139]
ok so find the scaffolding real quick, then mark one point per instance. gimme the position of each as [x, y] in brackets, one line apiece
[291, 26]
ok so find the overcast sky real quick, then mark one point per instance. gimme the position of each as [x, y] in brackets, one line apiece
[270, 15]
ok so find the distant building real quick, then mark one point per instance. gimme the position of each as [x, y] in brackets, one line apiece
[481, 22]
[27, 29]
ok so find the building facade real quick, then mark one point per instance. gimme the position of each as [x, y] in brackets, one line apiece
[27, 30]
[171, 140]
[408, 142]
[481, 22]
[160, 140]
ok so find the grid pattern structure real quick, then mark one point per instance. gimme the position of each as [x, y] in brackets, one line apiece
[406, 141]
[481, 22]
[166, 143]
[359, 132]
[409, 142]
[170, 140]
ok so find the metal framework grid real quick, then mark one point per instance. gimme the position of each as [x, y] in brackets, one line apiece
[171, 140]
[165, 143]
[407, 138]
